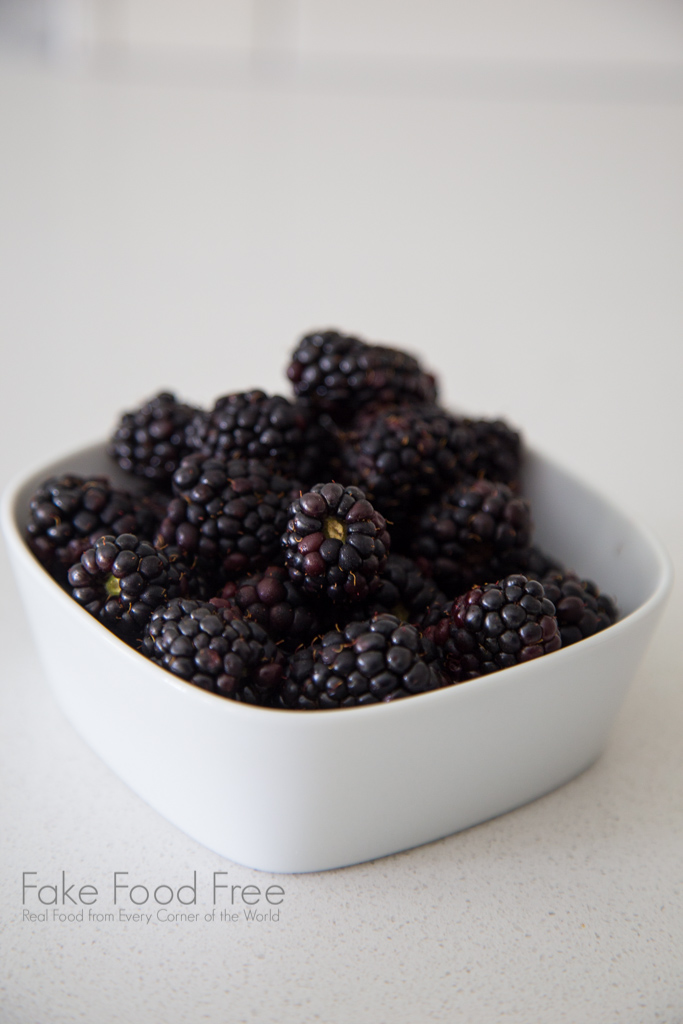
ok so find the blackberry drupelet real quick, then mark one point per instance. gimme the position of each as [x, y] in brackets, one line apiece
[254, 425]
[68, 512]
[581, 609]
[340, 374]
[216, 649]
[477, 532]
[229, 514]
[380, 659]
[336, 543]
[150, 442]
[276, 603]
[121, 580]
[496, 626]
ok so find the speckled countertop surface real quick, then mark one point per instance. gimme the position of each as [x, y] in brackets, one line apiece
[182, 235]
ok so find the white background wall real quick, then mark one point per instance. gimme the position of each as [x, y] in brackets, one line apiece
[546, 31]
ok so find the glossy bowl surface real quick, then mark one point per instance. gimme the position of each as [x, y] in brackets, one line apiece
[290, 791]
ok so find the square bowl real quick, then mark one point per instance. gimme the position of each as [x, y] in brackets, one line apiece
[288, 791]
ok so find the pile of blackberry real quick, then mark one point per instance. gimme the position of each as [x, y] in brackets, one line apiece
[355, 543]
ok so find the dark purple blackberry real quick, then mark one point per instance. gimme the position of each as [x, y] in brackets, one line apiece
[496, 626]
[402, 458]
[380, 659]
[200, 580]
[216, 649]
[477, 532]
[340, 374]
[254, 425]
[150, 442]
[278, 605]
[404, 591]
[319, 456]
[406, 457]
[336, 544]
[68, 512]
[229, 514]
[154, 505]
[581, 609]
[541, 564]
[488, 449]
[121, 580]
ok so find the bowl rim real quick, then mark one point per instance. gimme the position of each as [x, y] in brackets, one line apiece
[9, 519]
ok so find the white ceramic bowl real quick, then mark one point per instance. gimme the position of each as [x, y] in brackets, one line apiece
[291, 791]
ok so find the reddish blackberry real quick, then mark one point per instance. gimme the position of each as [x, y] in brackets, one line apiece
[341, 374]
[271, 599]
[254, 425]
[121, 580]
[336, 544]
[477, 532]
[150, 442]
[229, 514]
[581, 609]
[216, 649]
[380, 659]
[68, 512]
[496, 626]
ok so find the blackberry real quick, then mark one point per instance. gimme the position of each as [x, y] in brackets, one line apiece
[380, 659]
[336, 544]
[341, 374]
[581, 609]
[404, 591]
[496, 626]
[121, 580]
[229, 514]
[216, 649]
[200, 580]
[487, 449]
[406, 457]
[150, 442]
[254, 425]
[541, 564]
[68, 512]
[271, 599]
[478, 532]
[320, 455]
[153, 504]
[401, 457]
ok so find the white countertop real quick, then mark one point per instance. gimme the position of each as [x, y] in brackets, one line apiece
[172, 233]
